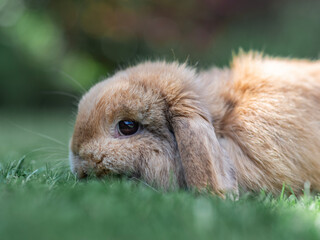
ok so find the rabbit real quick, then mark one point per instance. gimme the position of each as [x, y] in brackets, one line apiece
[252, 126]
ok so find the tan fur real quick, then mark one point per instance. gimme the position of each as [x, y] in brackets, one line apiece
[255, 125]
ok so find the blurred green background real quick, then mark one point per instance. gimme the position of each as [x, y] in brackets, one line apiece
[50, 50]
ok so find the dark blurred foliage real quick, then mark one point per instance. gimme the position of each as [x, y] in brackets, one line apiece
[48, 48]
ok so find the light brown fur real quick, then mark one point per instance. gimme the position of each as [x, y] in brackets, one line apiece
[255, 125]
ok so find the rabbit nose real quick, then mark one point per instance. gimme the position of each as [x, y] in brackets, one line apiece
[90, 156]
[102, 172]
[81, 174]
[97, 160]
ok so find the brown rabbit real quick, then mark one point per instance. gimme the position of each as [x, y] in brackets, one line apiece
[255, 125]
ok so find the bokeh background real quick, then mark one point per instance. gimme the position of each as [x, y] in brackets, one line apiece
[51, 50]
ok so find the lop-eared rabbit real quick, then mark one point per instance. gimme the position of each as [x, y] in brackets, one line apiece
[255, 125]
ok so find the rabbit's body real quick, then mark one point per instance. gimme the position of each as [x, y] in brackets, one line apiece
[266, 113]
[255, 125]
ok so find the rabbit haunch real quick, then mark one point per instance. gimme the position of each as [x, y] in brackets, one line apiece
[255, 125]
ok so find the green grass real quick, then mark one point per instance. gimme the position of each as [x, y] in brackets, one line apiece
[41, 199]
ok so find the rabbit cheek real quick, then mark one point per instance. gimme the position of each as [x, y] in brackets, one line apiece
[156, 166]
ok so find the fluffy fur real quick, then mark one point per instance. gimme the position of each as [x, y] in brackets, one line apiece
[254, 125]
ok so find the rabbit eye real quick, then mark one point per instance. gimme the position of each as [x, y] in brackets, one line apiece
[128, 127]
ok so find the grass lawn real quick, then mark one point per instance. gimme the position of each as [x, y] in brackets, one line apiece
[41, 199]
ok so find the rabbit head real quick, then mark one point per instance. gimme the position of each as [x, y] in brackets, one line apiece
[150, 122]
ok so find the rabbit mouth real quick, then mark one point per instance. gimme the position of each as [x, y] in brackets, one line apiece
[85, 170]
[100, 168]
[82, 168]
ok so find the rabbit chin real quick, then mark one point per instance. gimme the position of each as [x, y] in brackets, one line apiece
[75, 165]
[80, 167]
[71, 162]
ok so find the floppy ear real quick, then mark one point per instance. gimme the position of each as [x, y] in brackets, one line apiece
[205, 164]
